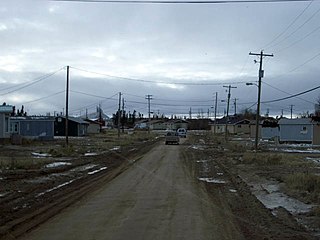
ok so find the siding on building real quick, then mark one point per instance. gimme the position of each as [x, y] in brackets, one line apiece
[296, 130]
[33, 127]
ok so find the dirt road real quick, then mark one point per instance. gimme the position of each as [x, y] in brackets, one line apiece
[156, 198]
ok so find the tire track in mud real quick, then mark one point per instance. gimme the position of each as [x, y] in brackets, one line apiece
[54, 202]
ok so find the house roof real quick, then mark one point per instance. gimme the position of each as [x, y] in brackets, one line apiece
[75, 119]
[295, 121]
[232, 120]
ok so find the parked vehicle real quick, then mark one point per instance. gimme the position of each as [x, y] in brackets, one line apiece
[172, 137]
[182, 132]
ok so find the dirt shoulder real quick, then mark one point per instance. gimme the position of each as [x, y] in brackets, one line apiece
[39, 179]
[232, 180]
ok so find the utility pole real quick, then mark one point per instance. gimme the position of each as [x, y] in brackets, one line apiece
[123, 116]
[67, 108]
[190, 114]
[291, 109]
[235, 105]
[215, 114]
[261, 73]
[281, 112]
[227, 118]
[149, 97]
[119, 114]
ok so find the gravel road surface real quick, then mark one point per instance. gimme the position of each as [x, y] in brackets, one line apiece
[156, 198]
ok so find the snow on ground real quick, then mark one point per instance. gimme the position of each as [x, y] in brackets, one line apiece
[116, 148]
[40, 155]
[315, 160]
[212, 180]
[96, 171]
[56, 164]
[269, 194]
[90, 154]
[55, 188]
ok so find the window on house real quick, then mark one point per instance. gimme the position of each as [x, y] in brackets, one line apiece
[304, 130]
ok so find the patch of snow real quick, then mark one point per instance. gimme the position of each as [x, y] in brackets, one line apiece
[41, 155]
[3, 194]
[202, 161]
[96, 171]
[90, 154]
[55, 188]
[268, 193]
[116, 148]
[315, 160]
[232, 190]
[212, 180]
[219, 173]
[308, 150]
[196, 147]
[83, 168]
[56, 164]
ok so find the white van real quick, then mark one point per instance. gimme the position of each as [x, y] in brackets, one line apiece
[182, 132]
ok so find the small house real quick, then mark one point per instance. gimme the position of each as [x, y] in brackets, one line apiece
[299, 130]
[5, 113]
[77, 127]
[33, 127]
[235, 125]
[94, 126]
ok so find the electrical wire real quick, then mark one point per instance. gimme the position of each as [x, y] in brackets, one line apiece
[297, 29]
[39, 99]
[28, 84]
[287, 28]
[181, 2]
[285, 92]
[93, 95]
[160, 82]
[292, 96]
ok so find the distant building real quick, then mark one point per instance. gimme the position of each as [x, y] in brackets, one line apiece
[76, 126]
[235, 125]
[93, 127]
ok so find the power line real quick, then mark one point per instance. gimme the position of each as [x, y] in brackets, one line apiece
[39, 99]
[286, 29]
[299, 40]
[285, 92]
[181, 2]
[92, 95]
[292, 96]
[27, 84]
[297, 29]
[161, 82]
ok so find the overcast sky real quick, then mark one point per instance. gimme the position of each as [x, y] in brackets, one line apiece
[180, 54]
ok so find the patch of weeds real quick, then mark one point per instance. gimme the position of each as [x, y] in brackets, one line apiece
[315, 211]
[262, 159]
[308, 185]
[64, 151]
[237, 147]
[269, 158]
